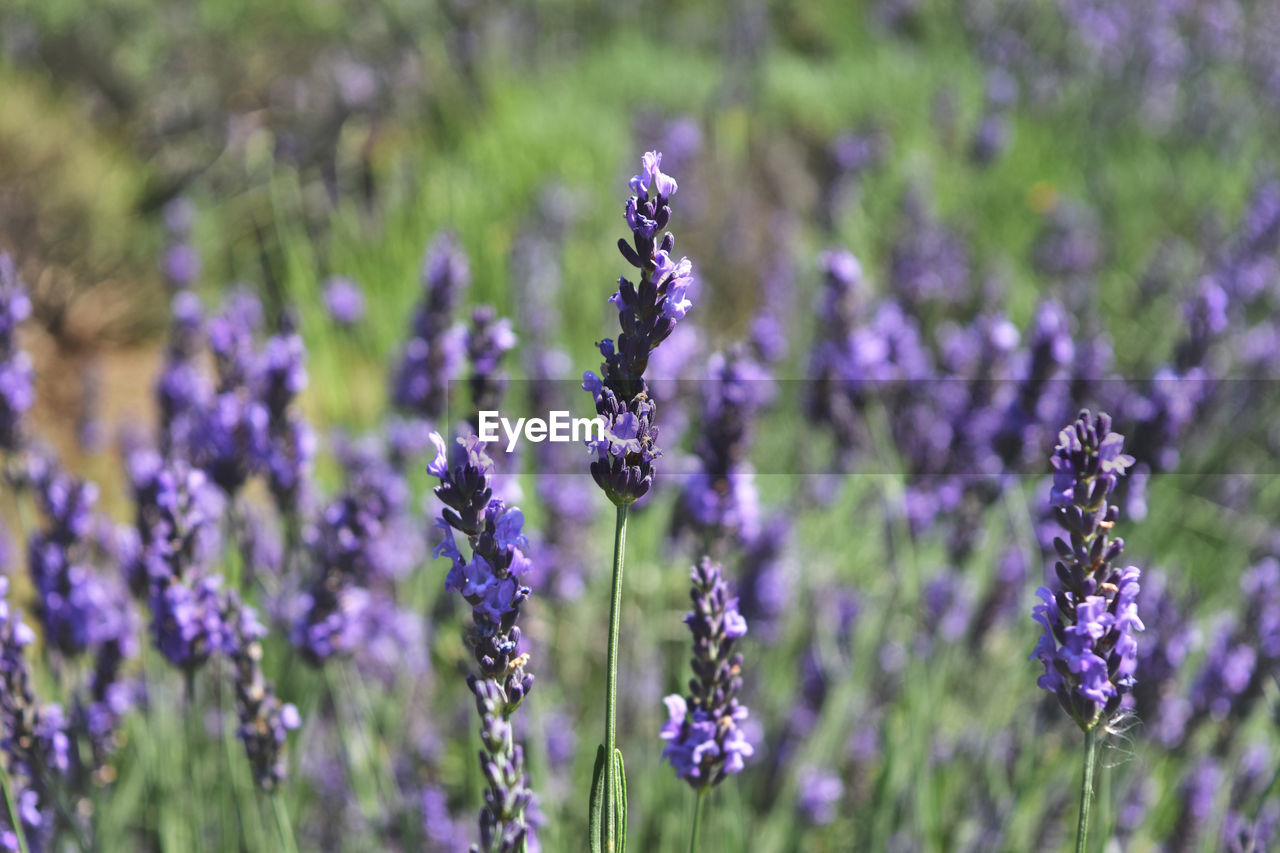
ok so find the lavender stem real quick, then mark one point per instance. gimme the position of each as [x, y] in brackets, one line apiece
[697, 820]
[13, 810]
[283, 823]
[1086, 787]
[611, 695]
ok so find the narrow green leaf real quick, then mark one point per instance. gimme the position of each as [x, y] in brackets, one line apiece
[595, 820]
[620, 800]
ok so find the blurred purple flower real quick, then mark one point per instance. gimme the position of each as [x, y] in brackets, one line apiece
[344, 300]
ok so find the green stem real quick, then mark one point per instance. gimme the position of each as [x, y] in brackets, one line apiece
[13, 810]
[611, 682]
[697, 820]
[284, 824]
[1086, 787]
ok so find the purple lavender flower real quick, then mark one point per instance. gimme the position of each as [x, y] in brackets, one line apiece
[34, 747]
[1243, 655]
[181, 266]
[72, 602]
[1088, 648]
[177, 516]
[436, 346]
[1196, 794]
[489, 339]
[108, 697]
[182, 390]
[704, 735]
[930, 262]
[290, 443]
[265, 721]
[357, 540]
[344, 300]
[718, 503]
[648, 312]
[820, 794]
[1070, 242]
[180, 263]
[17, 392]
[491, 581]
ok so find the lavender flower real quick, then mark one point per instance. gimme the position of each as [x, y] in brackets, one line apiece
[705, 741]
[820, 794]
[290, 443]
[180, 263]
[182, 391]
[1088, 647]
[719, 501]
[34, 748]
[491, 582]
[177, 516]
[231, 440]
[436, 346]
[648, 312]
[72, 603]
[489, 339]
[264, 720]
[356, 541]
[17, 393]
[344, 301]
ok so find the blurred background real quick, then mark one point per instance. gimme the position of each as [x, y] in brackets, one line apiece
[1052, 204]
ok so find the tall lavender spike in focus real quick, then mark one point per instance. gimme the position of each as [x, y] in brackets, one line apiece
[491, 582]
[1088, 647]
[437, 345]
[705, 741]
[17, 393]
[648, 312]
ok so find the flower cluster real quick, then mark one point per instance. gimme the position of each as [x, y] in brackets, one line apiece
[437, 345]
[705, 740]
[182, 391]
[719, 501]
[1088, 648]
[488, 339]
[265, 721]
[69, 596]
[648, 312]
[177, 512]
[230, 441]
[291, 445]
[491, 581]
[16, 390]
[34, 748]
[180, 263]
[361, 537]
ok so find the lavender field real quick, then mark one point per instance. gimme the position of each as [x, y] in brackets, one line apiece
[925, 494]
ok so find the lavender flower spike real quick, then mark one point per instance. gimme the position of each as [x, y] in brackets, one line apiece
[491, 582]
[16, 389]
[648, 312]
[705, 741]
[1088, 647]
